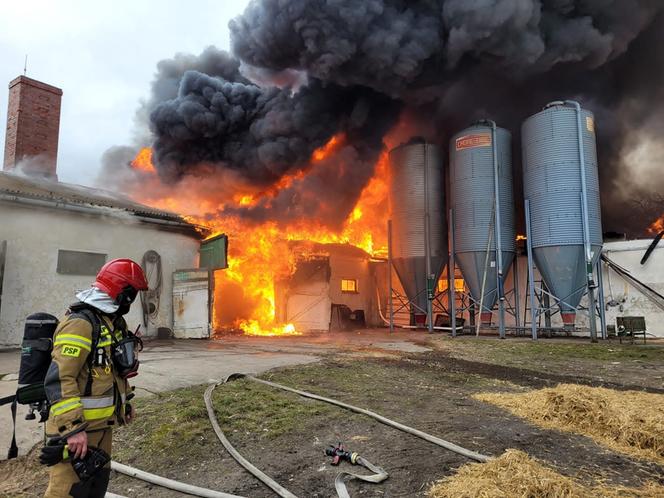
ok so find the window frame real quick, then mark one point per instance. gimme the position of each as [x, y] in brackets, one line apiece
[355, 286]
[64, 267]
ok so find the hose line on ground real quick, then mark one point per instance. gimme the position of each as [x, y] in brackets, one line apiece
[339, 482]
[378, 476]
[415, 432]
[261, 476]
[169, 483]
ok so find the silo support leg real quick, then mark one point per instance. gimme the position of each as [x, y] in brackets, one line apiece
[591, 315]
[600, 297]
[531, 280]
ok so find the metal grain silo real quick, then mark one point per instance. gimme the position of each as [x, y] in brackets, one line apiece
[480, 172]
[416, 196]
[562, 187]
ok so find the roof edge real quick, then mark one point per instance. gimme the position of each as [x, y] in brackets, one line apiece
[36, 83]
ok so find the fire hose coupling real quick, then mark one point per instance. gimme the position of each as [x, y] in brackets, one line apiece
[338, 453]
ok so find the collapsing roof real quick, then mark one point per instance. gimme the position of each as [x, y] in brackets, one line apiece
[57, 195]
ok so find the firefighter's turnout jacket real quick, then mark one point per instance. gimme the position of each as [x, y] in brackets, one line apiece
[67, 377]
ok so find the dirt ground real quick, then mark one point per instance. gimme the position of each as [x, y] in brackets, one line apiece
[286, 435]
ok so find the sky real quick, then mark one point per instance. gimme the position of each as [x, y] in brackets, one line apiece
[103, 55]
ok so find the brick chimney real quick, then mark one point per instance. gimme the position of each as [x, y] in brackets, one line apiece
[33, 126]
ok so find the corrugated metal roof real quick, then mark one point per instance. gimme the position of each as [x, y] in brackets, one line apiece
[65, 193]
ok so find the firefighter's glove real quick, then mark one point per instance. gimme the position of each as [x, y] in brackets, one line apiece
[53, 454]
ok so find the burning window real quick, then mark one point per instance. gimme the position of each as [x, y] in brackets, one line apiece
[349, 285]
[458, 285]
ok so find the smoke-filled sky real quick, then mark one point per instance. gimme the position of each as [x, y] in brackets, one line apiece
[103, 55]
[302, 71]
[299, 72]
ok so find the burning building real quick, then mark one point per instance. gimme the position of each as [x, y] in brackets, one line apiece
[332, 287]
[287, 137]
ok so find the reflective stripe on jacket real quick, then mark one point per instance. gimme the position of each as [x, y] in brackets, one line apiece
[67, 377]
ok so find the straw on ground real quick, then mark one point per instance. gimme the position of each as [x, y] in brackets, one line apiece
[515, 475]
[626, 421]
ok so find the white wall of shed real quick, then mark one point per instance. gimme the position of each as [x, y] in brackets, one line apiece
[309, 307]
[34, 236]
[354, 268]
[628, 254]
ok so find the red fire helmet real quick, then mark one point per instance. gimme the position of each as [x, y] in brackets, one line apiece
[117, 274]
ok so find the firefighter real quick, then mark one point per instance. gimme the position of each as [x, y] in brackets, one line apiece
[93, 356]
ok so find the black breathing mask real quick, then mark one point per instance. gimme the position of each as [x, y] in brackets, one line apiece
[125, 355]
[125, 299]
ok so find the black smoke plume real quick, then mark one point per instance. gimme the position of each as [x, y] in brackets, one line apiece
[305, 70]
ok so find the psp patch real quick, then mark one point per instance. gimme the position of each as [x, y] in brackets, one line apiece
[71, 351]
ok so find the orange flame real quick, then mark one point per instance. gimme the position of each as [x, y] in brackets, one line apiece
[259, 256]
[520, 237]
[143, 161]
[327, 149]
[656, 226]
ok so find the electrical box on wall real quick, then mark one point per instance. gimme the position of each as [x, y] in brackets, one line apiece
[214, 253]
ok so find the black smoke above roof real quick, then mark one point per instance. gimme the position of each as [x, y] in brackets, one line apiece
[325, 67]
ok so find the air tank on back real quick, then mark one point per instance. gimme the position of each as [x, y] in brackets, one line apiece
[556, 141]
[416, 194]
[473, 178]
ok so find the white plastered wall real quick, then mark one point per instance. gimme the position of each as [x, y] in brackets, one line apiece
[35, 234]
[626, 254]
[354, 268]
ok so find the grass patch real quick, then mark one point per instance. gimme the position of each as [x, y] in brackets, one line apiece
[517, 351]
[247, 407]
[170, 421]
[164, 424]
[515, 475]
[374, 379]
[627, 421]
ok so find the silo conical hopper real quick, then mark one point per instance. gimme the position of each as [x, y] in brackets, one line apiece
[416, 181]
[553, 184]
[472, 194]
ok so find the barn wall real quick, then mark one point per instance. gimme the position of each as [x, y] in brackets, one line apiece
[34, 236]
[354, 268]
[628, 254]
